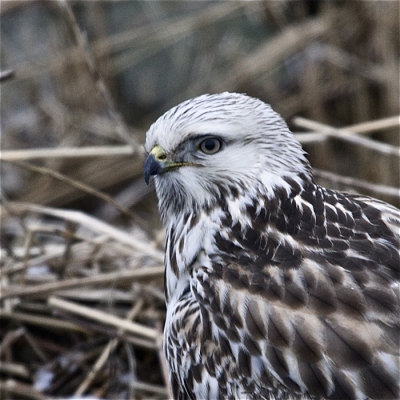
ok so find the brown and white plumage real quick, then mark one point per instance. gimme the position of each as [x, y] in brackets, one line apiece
[276, 287]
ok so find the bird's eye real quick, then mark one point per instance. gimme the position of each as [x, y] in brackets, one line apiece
[210, 145]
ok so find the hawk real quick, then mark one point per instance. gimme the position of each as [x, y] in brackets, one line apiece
[276, 287]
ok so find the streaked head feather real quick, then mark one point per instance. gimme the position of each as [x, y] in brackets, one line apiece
[260, 151]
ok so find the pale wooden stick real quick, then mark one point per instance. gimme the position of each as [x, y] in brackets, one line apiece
[160, 390]
[66, 152]
[110, 347]
[120, 126]
[15, 369]
[269, 55]
[93, 224]
[43, 321]
[96, 294]
[9, 338]
[345, 135]
[110, 151]
[54, 251]
[76, 184]
[358, 183]
[377, 125]
[168, 32]
[103, 318]
[17, 390]
[363, 128]
[7, 74]
[36, 347]
[137, 274]
[309, 137]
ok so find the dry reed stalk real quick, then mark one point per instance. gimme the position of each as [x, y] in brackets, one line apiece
[108, 151]
[103, 317]
[350, 62]
[54, 251]
[97, 294]
[20, 390]
[140, 274]
[147, 387]
[377, 189]
[269, 55]
[109, 348]
[363, 128]
[93, 224]
[376, 125]
[17, 370]
[6, 74]
[65, 152]
[168, 32]
[98, 173]
[347, 136]
[35, 346]
[10, 338]
[44, 322]
[121, 127]
[76, 184]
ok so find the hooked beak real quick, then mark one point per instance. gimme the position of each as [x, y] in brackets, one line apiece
[158, 163]
[155, 163]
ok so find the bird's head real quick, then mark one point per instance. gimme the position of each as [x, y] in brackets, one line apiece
[220, 145]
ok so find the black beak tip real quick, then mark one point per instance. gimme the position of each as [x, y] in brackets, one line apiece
[151, 167]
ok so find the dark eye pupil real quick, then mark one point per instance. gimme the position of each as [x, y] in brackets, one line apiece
[209, 144]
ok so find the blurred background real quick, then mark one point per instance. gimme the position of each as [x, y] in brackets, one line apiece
[81, 82]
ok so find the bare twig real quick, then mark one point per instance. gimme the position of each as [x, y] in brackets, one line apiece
[121, 128]
[351, 62]
[110, 347]
[65, 152]
[310, 137]
[46, 322]
[9, 338]
[132, 367]
[347, 136]
[35, 347]
[363, 128]
[104, 317]
[7, 74]
[18, 390]
[272, 52]
[18, 370]
[76, 184]
[139, 37]
[54, 252]
[376, 189]
[95, 225]
[108, 331]
[147, 387]
[137, 274]
[377, 125]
